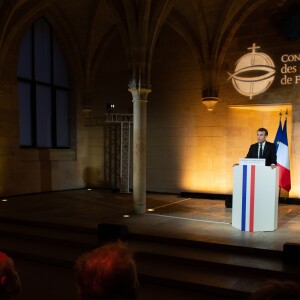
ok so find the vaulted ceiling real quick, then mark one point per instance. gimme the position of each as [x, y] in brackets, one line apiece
[88, 26]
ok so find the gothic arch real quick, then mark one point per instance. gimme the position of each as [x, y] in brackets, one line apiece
[16, 29]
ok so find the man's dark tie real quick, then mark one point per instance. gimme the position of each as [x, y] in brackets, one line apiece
[260, 151]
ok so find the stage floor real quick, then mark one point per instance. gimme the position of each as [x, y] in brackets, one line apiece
[169, 216]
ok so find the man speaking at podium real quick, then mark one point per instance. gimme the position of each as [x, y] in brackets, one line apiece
[263, 149]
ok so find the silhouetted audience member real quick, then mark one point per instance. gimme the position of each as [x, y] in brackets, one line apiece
[107, 273]
[277, 290]
[10, 284]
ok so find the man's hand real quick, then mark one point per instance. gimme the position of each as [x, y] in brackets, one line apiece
[273, 166]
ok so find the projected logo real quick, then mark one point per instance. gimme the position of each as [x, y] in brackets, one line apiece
[254, 73]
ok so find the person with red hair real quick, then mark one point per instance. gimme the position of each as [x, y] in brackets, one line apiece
[10, 284]
[107, 273]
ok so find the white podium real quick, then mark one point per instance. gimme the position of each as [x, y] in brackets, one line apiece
[255, 197]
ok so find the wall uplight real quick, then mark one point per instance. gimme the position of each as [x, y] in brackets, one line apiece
[210, 102]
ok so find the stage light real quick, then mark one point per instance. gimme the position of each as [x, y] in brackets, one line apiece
[4, 200]
[110, 107]
[126, 216]
[89, 189]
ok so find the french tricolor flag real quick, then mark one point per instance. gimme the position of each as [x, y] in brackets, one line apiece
[283, 160]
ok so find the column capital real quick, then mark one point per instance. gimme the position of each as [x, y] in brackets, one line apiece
[139, 93]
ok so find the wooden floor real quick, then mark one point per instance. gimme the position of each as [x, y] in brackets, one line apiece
[167, 216]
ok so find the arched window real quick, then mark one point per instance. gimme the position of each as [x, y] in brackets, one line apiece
[43, 90]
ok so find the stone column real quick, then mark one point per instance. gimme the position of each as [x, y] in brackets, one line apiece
[139, 99]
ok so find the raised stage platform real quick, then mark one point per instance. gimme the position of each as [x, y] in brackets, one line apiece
[167, 216]
[185, 247]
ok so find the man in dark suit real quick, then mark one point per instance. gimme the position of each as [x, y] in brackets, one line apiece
[263, 149]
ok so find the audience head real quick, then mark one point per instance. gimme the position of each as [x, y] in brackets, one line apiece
[107, 273]
[10, 285]
[276, 290]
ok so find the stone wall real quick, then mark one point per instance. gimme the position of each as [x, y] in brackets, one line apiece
[188, 148]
